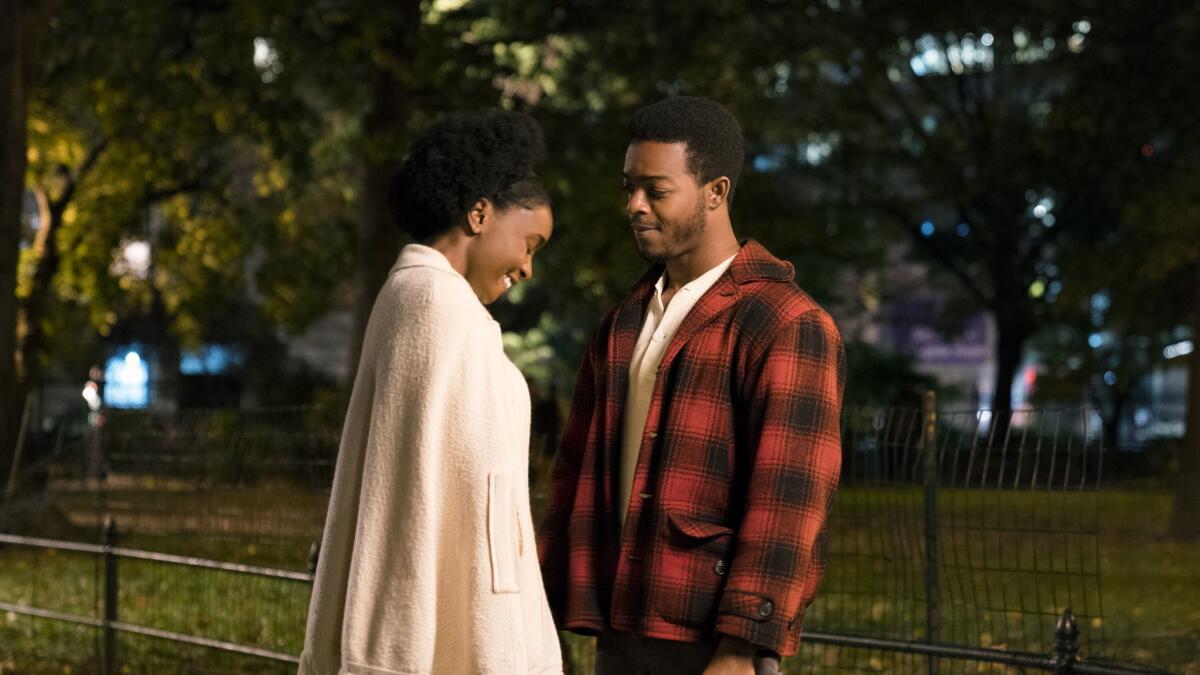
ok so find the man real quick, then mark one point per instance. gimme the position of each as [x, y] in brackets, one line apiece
[686, 524]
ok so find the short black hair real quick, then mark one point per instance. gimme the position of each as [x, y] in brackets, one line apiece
[464, 157]
[711, 132]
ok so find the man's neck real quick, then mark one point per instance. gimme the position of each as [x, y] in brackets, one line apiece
[683, 269]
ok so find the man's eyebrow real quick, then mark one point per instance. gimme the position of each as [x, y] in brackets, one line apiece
[646, 178]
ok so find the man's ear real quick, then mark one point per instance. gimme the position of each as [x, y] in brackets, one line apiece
[716, 192]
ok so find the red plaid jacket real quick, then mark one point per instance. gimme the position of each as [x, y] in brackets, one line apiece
[740, 458]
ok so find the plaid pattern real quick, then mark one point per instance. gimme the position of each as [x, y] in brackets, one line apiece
[739, 462]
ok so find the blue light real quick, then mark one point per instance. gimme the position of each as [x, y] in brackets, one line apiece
[963, 229]
[1095, 341]
[767, 163]
[210, 360]
[126, 381]
[927, 229]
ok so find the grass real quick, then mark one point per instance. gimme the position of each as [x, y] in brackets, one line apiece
[256, 611]
[1011, 561]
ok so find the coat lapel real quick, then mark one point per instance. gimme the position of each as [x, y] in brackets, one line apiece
[723, 295]
[752, 263]
[622, 340]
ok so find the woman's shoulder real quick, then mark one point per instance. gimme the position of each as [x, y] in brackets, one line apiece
[428, 300]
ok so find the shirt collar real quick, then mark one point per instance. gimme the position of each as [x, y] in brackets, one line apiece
[701, 283]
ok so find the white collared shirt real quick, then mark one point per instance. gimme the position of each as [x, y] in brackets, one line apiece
[658, 330]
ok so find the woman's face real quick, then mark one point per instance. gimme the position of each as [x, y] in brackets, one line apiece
[501, 254]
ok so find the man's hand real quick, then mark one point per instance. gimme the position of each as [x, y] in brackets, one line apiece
[734, 657]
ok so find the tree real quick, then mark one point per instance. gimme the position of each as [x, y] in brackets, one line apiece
[157, 124]
[979, 134]
[25, 23]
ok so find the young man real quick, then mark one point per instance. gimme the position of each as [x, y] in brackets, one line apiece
[687, 519]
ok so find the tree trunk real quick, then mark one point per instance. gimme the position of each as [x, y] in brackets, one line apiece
[13, 104]
[1185, 516]
[1112, 422]
[1010, 346]
[1011, 333]
[384, 127]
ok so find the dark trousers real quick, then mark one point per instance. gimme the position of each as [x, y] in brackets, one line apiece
[628, 654]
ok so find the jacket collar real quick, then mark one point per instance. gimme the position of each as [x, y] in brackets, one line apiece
[420, 255]
[752, 263]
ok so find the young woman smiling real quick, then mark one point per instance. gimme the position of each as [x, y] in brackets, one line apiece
[428, 562]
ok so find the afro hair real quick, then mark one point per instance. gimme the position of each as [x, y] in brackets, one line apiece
[711, 132]
[462, 158]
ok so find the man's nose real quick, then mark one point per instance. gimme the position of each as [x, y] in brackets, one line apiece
[637, 203]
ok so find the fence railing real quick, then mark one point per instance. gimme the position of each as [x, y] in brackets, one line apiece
[109, 622]
[956, 539]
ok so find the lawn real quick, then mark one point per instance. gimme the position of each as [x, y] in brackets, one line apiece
[1010, 562]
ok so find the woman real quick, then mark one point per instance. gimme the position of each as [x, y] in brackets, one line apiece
[428, 562]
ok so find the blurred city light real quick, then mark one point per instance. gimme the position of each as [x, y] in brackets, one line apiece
[126, 381]
[1178, 349]
[266, 59]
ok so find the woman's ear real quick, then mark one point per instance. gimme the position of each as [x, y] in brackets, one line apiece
[480, 216]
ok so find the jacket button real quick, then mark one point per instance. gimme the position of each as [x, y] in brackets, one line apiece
[721, 568]
[644, 495]
[766, 609]
[653, 434]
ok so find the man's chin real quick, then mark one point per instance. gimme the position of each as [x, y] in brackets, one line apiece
[653, 254]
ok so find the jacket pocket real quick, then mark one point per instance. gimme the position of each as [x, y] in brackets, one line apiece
[693, 565]
[502, 536]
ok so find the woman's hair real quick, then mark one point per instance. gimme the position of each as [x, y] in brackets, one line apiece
[465, 157]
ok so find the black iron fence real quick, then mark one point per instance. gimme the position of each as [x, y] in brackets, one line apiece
[958, 542]
[109, 622]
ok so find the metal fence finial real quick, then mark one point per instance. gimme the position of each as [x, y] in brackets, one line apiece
[1066, 646]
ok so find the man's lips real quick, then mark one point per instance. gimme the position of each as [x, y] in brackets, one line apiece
[643, 227]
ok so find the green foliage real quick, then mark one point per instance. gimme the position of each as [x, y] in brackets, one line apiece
[194, 152]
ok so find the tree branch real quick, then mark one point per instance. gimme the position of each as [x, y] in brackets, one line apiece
[937, 252]
[59, 204]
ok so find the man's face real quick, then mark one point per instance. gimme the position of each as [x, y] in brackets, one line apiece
[665, 201]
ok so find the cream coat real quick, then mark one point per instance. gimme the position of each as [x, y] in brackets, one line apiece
[428, 562]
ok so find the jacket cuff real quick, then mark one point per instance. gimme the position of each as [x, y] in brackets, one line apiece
[754, 618]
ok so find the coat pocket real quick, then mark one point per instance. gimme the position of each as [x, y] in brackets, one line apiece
[502, 535]
[694, 564]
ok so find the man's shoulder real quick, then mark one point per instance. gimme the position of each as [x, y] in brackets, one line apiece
[765, 306]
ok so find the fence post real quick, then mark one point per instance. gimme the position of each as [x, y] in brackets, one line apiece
[110, 597]
[11, 488]
[1066, 643]
[314, 553]
[933, 600]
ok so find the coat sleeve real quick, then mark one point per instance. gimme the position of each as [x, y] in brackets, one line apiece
[795, 393]
[552, 538]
